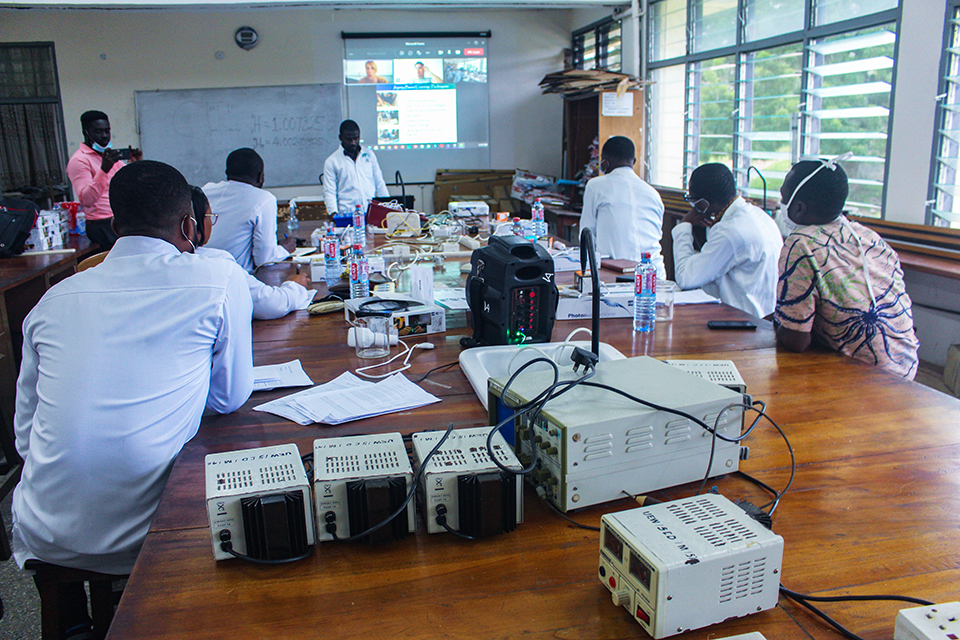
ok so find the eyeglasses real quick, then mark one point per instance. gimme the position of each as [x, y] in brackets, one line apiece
[695, 202]
[213, 217]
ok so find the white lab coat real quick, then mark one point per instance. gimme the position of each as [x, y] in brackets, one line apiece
[247, 224]
[347, 184]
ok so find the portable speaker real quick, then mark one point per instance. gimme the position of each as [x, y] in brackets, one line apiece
[511, 293]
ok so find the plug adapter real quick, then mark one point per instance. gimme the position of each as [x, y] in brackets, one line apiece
[933, 622]
[583, 358]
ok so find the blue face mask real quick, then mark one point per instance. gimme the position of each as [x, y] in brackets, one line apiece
[100, 148]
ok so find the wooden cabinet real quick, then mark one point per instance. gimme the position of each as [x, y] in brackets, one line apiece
[583, 121]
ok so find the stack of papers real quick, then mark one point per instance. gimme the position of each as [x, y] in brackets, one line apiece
[272, 376]
[348, 398]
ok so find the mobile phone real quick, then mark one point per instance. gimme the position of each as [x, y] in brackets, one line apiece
[731, 324]
[124, 153]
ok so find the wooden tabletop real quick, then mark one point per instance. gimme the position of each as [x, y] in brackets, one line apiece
[875, 508]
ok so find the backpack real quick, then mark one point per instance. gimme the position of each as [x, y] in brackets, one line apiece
[17, 217]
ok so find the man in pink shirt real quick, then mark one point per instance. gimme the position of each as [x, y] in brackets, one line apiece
[90, 169]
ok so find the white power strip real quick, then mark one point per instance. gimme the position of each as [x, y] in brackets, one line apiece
[934, 622]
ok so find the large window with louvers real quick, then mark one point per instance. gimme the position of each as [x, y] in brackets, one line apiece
[597, 46]
[768, 82]
[944, 204]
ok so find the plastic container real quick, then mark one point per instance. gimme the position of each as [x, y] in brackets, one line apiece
[517, 227]
[665, 294]
[331, 258]
[359, 228]
[645, 295]
[539, 222]
[359, 274]
[292, 223]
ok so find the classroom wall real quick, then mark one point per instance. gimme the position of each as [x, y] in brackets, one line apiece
[104, 56]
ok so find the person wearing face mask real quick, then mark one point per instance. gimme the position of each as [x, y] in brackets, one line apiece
[624, 212]
[119, 363]
[840, 284]
[268, 302]
[351, 174]
[738, 263]
[246, 213]
[90, 170]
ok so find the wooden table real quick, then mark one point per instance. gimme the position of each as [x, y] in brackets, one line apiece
[875, 508]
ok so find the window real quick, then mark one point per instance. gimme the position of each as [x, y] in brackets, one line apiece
[944, 206]
[597, 46]
[767, 82]
[32, 144]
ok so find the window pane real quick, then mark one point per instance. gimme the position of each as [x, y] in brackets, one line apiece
[710, 112]
[767, 18]
[769, 98]
[847, 108]
[946, 205]
[836, 10]
[714, 24]
[27, 72]
[665, 126]
[668, 29]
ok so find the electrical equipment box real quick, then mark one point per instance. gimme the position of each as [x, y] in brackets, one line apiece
[690, 563]
[595, 445]
[467, 208]
[478, 498]
[722, 372]
[361, 480]
[259, 501]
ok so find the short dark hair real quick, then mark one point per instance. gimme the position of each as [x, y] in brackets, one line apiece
[713, 182]
[149, 198]
[349, 125]
[87, 118]
[619, 149]
[244, 163]
[824, 194]
[200, 203]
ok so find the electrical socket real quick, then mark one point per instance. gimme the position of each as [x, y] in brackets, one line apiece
[934, 622]
[469, 243]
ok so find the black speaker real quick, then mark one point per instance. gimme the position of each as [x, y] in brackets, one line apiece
[511, 293]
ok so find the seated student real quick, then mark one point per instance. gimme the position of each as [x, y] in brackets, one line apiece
[247, 214]
[119, 363]
[624, 212]
[738, 263]
[839, 281]
[268, 302]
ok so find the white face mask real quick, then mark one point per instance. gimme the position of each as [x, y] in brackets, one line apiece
[787, 226]
[100, 148]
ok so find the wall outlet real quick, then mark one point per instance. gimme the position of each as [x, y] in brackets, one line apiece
[934, 622]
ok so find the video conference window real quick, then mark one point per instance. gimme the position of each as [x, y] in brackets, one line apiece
[422, 94]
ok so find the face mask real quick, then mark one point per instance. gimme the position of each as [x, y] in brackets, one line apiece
[100, 148]
[787, 226]
[784, 221]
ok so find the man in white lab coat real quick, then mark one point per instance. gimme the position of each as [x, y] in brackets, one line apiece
[351, 174]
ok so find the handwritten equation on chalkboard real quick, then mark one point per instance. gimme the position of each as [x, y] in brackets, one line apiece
[293, 128]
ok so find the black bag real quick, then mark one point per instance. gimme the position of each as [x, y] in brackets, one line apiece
[17, 217]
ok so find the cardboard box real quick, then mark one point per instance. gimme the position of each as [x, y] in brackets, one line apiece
[416, 319]
[616, 302]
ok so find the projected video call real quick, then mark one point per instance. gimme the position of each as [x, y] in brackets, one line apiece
[420, 93]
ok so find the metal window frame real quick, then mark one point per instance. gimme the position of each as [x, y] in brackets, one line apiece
[742, 48]
[601, 31]
[951, 7]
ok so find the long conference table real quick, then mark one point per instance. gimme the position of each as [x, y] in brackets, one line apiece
[874, 508]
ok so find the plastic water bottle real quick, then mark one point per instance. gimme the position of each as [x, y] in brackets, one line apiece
[645, 295]
[517, 227]
[539, 224]
[359, 274]
[359, 228]
[331, 258]
[292, 223]
[81, 222]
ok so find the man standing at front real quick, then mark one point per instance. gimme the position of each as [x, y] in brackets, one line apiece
[351, 175]
[738, 263]
[624, 212]
[246, 214]
[119, 362]
[90, 170]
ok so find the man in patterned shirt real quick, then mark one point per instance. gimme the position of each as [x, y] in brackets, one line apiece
[840, 283]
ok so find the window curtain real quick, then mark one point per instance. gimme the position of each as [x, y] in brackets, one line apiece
[30, 144]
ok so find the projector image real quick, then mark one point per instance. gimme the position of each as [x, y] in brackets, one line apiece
[461, 482]
[595, 446]
[689, 563]
[361, 480]
[258, 500]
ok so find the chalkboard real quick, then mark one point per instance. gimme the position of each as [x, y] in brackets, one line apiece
[294, 129]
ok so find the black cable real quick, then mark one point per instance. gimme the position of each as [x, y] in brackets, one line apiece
[557, 511]
[307, 460]
[332, 525]
[443, 366]
[227, 546]
[804, 600]
[441, 519]
[760, 483]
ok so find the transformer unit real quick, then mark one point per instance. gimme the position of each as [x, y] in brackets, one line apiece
[361, 480]
[722, 372]
[595, 445]
[258, 500]
[690, 563]
[478, 498]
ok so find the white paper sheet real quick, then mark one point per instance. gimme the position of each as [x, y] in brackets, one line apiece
[451, 299]
[395, 393]
[694, 296]
[273, 376]
[287, 407]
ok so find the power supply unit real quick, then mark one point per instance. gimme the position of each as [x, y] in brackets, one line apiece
[258, 501]
[595, 445]
[361, 480]
[462, 484]
[722, 372]
[689, 563]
